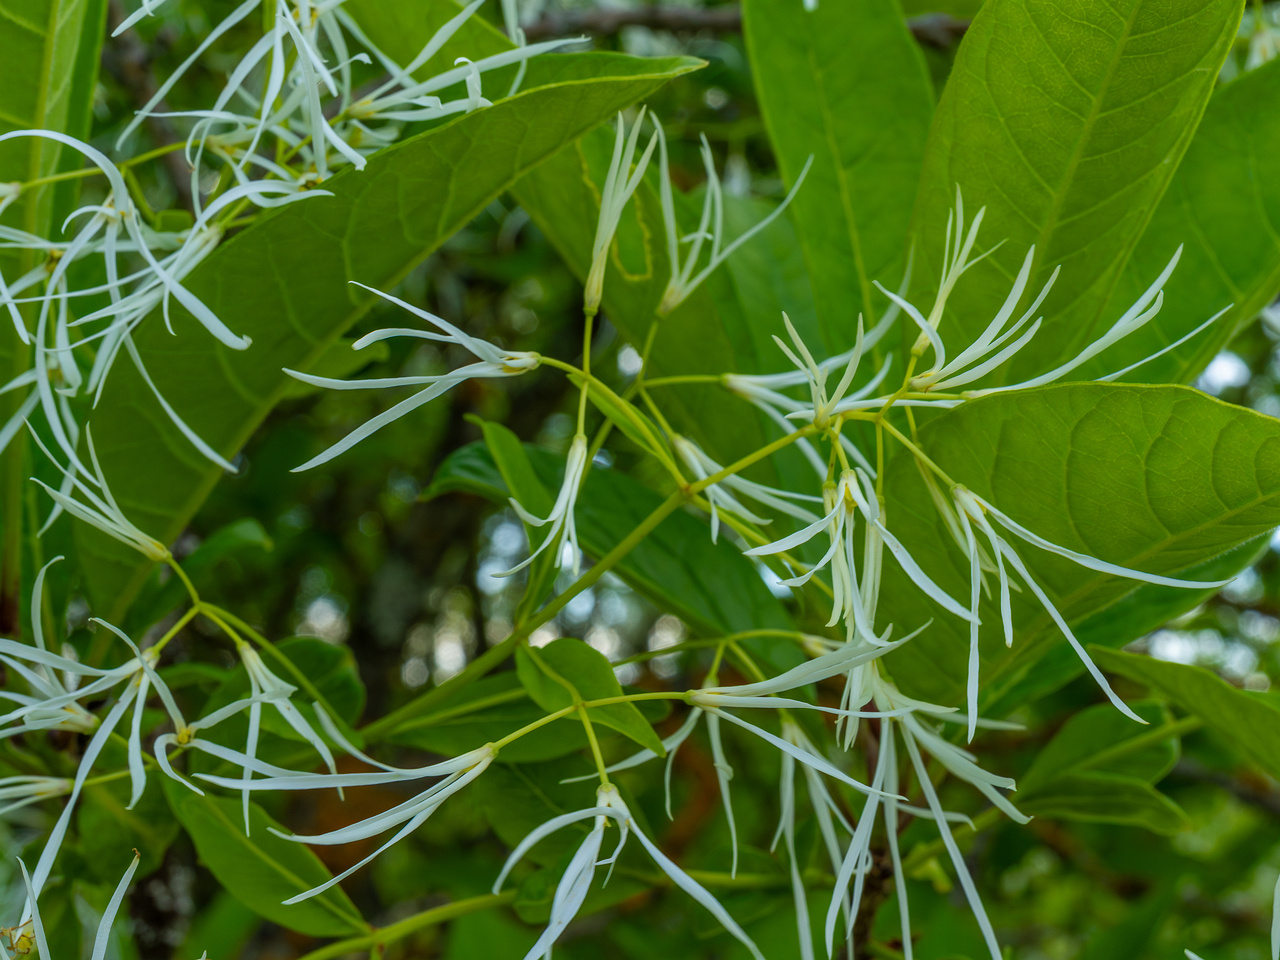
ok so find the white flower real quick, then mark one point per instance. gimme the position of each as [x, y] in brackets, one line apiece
[996, 344]
[146, 679]
[973, 511]
[844, 502]
[683, 281]
[984, 354]
[493, 362]
[721, 494]
[266, 687]
[825, 811]
[456, 773]
[21, 791]
[577, 880]
[32, 926]
[961, 764]
[823, 404]
[91, 752]
[100, 509]
[619, 184]
[563, 528]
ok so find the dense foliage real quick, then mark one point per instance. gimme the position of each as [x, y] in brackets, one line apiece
[727, 488]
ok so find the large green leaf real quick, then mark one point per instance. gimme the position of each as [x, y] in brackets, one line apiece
[1154, 478]
[712, 587]
[283, 282]
[1223, 206]
[1249, 722]
[1066, 122]
[545, 673]
[1097, 797]
[262, 870]
[50, 51]
[846, 84]
[1101, 767]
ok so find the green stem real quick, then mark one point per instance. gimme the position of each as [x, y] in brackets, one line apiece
[925, 852]
[398, 931]
[606, 563]
[227, 620]
[382, 728]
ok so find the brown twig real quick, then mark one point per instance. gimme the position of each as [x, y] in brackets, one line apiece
[934, 29]
[127, 60]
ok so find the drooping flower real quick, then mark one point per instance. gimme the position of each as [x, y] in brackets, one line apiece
[492, 362]
[683, 281]
[577, 880]
[721, 495]
[564, 530]
[100, 509]
[31, 928]
[845, 501]
[619, 184]
[915, 731]
[267, 688]
[967, 515]
[456, 774]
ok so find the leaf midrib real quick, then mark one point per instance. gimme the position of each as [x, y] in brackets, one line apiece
[325, 899]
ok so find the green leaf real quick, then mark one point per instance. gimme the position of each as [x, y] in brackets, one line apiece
[468, 469]
[1108, 798]
[220, 929]
[1101, 739]
[1250, 723]
[545, 673]
[852, 214]
[50, 49]
[486, 711]
[262, 870]
[491, 934]
[1223, 206]
[108, 830]
[290, 290]
[1155, 478]
[1066, 123]
[1140, 924]
[1101, 767]
[519, 477]
[712, 587]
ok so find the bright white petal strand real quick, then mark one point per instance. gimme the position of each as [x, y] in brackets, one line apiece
[103, 936]
[1092, 562]
[542, 831]
[957, 858]
[698, 892]
[1061, 622]
[809, 759]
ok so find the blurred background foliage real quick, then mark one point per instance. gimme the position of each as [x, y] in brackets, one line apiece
[354, 555]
